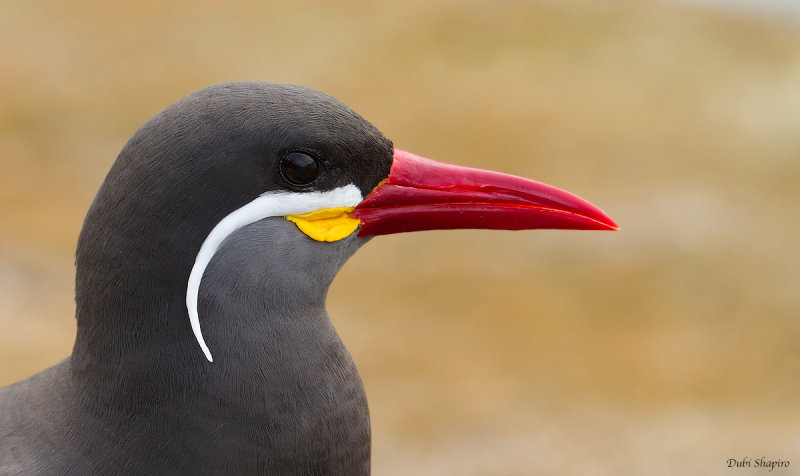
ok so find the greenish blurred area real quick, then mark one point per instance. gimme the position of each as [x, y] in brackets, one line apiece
[664, 348]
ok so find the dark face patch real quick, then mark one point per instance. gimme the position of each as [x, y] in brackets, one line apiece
[348, 149]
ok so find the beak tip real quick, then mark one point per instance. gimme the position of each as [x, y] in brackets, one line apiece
[607, 224]
[611, 224]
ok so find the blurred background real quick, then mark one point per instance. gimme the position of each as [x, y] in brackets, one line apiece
[666, 347]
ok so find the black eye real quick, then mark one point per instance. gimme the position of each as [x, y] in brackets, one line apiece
[299, 168]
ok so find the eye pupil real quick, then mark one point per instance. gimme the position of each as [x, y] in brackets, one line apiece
[299, 168]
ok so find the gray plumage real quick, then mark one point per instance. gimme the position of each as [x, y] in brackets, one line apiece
[137, 396]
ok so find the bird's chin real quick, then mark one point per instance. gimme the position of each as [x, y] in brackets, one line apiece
[359, 240]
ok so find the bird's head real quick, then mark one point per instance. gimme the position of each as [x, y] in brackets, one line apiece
[275, 186]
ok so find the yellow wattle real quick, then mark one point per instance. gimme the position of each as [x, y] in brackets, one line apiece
[328, 224]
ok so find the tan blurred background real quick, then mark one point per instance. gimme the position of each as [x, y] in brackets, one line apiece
[664, 348]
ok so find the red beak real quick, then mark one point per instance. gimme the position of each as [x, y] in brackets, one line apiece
[422, 194]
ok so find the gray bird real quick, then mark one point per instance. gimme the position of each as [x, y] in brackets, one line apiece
[203, 344]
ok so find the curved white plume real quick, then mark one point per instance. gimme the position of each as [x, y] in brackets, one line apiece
[269, 204]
